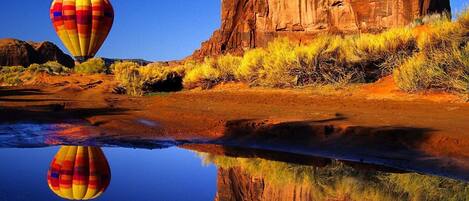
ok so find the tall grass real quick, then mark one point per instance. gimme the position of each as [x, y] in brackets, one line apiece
[432, 54]
[327, 59]
[442, 61]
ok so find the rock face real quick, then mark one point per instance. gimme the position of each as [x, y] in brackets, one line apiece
[253, 23]
[20, 53]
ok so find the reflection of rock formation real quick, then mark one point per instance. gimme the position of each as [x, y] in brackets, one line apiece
[235, 184]
[247, 177]
[253, 23]
[79, 173]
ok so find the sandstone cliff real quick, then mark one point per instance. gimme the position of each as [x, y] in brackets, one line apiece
[253, 23]
[20, 53]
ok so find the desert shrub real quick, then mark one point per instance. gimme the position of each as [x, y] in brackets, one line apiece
[161, 78]
[51, 68]
[155, 77]
[251, 63]
[10, 75]
[278, 63]
[16, 75]
[414, 74]
[384, 51]
[445, 69]
[128, 75]
[204, 74]
[92, 66]
[326, 60]
[227, 65]
[443, 60]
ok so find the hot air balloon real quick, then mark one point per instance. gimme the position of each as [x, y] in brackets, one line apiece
[79, 173]
[82, 25]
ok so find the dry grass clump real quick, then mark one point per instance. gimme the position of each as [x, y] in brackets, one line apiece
[443, 59]
[385, 51]
[92, 66]
[327, 59]
[211, 71]
[251, 63]
[128, 75]
[139, 80]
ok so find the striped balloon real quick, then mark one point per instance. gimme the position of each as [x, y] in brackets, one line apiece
[79, 173]
[82, 25]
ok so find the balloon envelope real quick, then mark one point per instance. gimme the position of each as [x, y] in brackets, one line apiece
[79, 173]
[82, 25]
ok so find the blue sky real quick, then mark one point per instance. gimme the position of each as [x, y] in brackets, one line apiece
[147, 29]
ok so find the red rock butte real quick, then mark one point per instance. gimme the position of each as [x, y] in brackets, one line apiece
[253, 23]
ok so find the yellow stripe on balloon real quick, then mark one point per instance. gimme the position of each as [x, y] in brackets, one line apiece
[81, 161]
[63, 35]
[67, 179]
[82, 25]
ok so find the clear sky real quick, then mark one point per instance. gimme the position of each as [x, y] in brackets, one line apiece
[147, 29]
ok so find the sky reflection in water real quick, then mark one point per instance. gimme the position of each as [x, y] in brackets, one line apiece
[169, 174]
[180, 174]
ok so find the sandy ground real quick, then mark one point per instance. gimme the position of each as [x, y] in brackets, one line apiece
[367, 122]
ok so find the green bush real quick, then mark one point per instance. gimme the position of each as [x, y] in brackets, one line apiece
[92, 66]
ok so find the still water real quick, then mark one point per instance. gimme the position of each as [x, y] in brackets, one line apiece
[136, 174]
[35, 166]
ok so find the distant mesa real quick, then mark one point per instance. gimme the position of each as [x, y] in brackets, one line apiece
[254, 23]
[15, 52]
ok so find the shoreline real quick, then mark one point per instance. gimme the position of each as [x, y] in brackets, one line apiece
[413, 130]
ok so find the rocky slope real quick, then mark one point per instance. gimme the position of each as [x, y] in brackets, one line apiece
[20, 53]
[253, 23]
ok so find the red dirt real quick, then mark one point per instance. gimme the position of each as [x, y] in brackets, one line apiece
[375, 120]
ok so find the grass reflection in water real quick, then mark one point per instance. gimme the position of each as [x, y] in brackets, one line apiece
[336, 181]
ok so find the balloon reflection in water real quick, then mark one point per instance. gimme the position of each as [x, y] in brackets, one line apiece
[79, 173]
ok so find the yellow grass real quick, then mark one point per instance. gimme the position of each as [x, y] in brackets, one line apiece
[432, 54]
